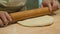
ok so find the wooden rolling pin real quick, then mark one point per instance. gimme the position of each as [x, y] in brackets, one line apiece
[29, 13]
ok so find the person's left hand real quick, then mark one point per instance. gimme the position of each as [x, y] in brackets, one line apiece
[51, 4]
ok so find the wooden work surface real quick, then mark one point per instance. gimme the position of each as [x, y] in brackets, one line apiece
[18, 29]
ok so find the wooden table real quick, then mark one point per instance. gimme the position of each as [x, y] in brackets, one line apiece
[19, 29]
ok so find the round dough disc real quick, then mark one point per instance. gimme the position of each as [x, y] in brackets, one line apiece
[39, 21]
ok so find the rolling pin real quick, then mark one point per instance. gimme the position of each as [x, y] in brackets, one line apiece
[29, 13]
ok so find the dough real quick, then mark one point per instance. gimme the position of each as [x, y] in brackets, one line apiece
[39, 21]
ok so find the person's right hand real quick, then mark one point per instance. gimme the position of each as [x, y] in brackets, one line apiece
[5, 19]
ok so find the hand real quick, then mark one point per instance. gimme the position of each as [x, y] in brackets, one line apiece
[5, 19]
[52, 4]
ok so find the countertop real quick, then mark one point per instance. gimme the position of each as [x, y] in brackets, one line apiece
[19, 29]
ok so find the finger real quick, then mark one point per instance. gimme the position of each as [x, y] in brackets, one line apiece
[50, 7]
[1, 23]
[4, 19]
[55, 5]
[55, 8]
[8, 17]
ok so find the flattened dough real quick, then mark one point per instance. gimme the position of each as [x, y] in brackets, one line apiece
[39, 21]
